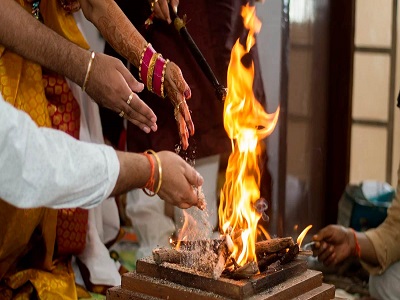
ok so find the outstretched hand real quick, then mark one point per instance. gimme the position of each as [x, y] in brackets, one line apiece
[111, 85]
[177, 90]
[178, 181]
[334, 244]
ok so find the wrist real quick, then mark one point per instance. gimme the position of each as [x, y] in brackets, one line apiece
[355, 246]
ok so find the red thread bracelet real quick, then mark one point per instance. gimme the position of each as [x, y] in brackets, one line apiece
[150, 182]
[357, 249]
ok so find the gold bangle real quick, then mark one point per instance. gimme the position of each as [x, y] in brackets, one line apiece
[150, 72]
[141, 60]
[163, 95]
[88, 70]
[159, 173]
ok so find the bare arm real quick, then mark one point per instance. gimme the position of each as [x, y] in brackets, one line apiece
[21, 33]
[110, 82]
[178, 177]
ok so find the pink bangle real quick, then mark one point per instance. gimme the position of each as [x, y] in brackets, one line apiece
[157, 77]
[145, 61]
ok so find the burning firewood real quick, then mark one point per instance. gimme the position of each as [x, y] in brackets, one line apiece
[224, 251]
[273, 245]
[246, 271]
[290, 254]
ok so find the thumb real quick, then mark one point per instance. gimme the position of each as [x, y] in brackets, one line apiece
[174, 4]
[133, 84]
[194, 177]
[323, 234]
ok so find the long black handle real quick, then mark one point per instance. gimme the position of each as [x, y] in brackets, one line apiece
[179, 24]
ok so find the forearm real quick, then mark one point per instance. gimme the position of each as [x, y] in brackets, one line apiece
[23, 34]
[367, 249]
[134, 172]
[115, 27]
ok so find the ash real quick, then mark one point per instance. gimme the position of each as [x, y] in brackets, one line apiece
[200, 251]
[202, 257]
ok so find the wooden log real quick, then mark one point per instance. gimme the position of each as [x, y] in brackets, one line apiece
[170, 255]
[199, 244]
[223, 255]
[267, 260]
[291, 254]
[273, 245]
[248, 270]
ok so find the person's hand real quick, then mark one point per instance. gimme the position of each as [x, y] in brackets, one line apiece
[161, 10]
[178, 181]
[111, 84]
[177, 90]
[333, 244]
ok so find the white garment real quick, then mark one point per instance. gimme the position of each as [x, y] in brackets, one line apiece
[46, 167]
[154, 228]
[386, 286]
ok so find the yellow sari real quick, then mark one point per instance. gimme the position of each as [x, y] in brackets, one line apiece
[27, 236]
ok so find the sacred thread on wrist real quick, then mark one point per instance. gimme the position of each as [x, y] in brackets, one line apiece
[357, 249]
[88, 70]
[150, 182]
[152, 179]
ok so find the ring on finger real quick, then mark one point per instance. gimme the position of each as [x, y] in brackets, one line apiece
[121, 114]
[130, 98]
[176, 110]
[153, 3]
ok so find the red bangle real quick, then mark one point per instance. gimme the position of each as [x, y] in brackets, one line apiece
[357, 249]
[158, 75]
[144, 63]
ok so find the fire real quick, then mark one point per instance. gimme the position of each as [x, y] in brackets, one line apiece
[246, 123]
[303, 234]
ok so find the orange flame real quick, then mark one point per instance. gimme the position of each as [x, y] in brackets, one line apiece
[246, 123]
[303, 234]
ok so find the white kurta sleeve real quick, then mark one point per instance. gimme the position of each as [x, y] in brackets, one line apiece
[46, 167]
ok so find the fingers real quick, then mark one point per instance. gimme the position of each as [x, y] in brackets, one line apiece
[183, 132]
[327, 254]
[184, 110]
[133, 108]
[175, 4]
[161, 10]
[139, 114]
[194, 177]
[165, 10]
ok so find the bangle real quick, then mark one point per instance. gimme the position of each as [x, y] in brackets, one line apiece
[88, 70]
[159, 174]
[150, 182]
[150, 72]
[144, 62]
[163, 78]
[157, 77]
[357, 249]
